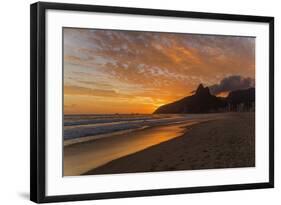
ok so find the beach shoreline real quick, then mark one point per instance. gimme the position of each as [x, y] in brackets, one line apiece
[86, 155]
[219, 143]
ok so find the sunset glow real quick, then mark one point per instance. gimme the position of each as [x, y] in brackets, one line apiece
[107, 71]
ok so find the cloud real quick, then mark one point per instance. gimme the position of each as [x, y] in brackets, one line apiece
[151, 65]
[164, 56]
[102, 85]
[232, 83]
[84, 91]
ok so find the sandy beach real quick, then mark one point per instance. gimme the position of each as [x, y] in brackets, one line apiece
[221, 143]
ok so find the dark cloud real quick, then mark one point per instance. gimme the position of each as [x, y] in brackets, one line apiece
[232, 83]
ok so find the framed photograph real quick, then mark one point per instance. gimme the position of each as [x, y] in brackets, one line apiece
[129, 102]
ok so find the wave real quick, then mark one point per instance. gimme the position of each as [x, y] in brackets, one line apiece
[104, 120]
[83, 128]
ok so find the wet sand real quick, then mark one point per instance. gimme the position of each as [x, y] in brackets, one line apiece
[82, 157]
[220, 143]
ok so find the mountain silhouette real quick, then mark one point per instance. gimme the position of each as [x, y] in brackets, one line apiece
[202, 101]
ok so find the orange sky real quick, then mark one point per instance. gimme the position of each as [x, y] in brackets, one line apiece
[107, 71]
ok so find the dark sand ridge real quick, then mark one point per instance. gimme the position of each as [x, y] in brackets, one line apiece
[222, 143]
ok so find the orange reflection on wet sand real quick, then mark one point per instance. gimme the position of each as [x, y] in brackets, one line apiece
[82, 157]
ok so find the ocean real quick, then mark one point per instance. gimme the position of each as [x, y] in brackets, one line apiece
[78, 128]
[91, 141]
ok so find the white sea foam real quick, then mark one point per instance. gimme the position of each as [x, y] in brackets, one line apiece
[102, 125]
[96, 125]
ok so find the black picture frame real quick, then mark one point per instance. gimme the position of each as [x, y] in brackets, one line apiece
[38, 101]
